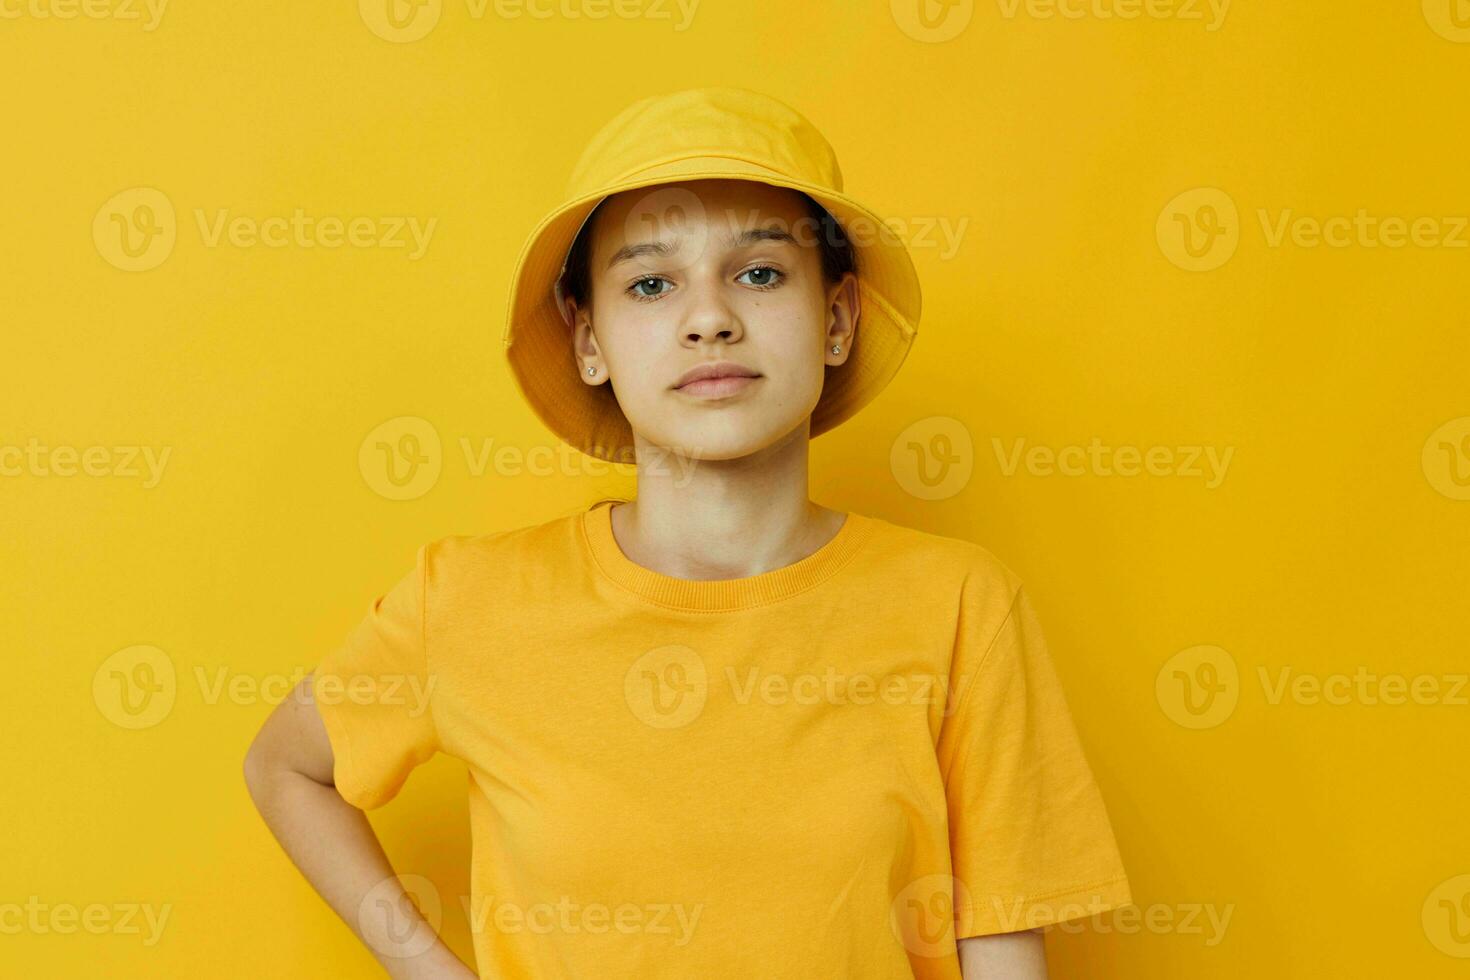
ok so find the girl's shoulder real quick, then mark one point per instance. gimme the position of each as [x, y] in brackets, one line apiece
[937, 556]
[471, 558]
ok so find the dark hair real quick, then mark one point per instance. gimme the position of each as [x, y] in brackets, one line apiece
[837, 254]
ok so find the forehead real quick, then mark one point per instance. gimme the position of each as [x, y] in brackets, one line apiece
[714, 210]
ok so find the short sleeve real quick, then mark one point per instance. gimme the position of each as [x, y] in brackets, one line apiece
[1030, 840]
[373, 694]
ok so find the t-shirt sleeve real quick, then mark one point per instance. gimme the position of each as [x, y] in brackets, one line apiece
[1030, 840]
[373, 694]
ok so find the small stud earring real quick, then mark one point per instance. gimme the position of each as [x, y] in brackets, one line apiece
[836, 349]
[592, 370]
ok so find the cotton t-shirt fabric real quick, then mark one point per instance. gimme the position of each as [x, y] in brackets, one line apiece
[837, 768]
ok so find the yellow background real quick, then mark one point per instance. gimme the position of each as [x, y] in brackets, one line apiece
[1337, 540]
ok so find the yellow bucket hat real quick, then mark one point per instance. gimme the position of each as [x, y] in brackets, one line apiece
[698, 134]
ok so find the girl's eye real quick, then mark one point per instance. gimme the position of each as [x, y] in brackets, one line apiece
[645, 297]
[764, 276]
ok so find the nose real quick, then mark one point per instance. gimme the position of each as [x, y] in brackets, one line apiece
[709, 317]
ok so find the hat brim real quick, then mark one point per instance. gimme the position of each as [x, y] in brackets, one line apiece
[537, 339]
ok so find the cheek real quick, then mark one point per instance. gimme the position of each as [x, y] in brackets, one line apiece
[642, 364]
[798, 338]
[630, 342]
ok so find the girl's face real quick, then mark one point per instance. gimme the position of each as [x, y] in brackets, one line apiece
[711, 272]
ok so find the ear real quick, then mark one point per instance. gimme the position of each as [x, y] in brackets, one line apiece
[585, 350]
[843, 309]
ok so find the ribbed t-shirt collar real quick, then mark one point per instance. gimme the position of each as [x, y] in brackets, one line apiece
[719, 595]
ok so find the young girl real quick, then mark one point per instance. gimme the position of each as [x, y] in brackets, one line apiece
[719, 730]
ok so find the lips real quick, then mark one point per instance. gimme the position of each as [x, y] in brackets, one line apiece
[717, 387]
[715, 371]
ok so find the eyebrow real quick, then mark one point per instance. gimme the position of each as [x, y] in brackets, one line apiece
[746, 238]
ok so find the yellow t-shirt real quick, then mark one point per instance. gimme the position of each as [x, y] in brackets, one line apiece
[835, 769]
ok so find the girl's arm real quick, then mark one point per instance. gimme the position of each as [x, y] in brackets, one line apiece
[1007, 956]
[288, 771]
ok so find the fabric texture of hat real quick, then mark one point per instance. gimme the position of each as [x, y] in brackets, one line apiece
[698, 134]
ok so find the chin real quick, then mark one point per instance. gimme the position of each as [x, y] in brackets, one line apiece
[730, 442]
[714, 450]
